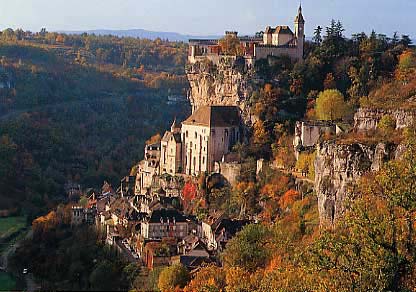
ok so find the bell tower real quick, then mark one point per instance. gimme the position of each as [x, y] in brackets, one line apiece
[300, 32]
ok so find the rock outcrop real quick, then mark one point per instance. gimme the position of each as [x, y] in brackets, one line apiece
[227, 82]
[338, 168]
[367, 119]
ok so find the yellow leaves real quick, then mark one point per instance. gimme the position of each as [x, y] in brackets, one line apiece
[209, 278]
[260, 134]
[331, 105]
[407, 66]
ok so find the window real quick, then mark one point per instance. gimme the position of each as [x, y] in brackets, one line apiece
[186, 134]
[196, 135]
[203, 160]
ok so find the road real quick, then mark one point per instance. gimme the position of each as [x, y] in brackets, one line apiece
[31, 285]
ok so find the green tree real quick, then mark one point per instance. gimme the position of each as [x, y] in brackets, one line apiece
[387, 124]
[331, 105]
[317, 37]
[249, 249]
[173, 277]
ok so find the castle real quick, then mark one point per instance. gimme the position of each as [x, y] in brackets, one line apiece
[278, 41]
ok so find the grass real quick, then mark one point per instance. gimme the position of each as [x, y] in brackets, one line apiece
[10, 225]
[7, 283]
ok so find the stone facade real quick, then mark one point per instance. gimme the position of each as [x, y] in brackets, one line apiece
[207, 136]
[171, 151]
[149, 167]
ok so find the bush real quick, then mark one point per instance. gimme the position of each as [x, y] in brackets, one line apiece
[387, 124]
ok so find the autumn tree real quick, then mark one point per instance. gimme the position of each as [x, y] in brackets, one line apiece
[230, 45]
[209, 278]
[329, 82]
[331, 105]
[406, 68]
[173, 277]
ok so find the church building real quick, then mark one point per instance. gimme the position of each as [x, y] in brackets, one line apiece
[208, 135]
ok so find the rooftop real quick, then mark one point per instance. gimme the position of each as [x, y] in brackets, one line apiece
[165, 214]
[215, 116]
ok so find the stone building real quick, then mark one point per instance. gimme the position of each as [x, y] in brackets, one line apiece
[165, 223]
[148, 167]
[171, 151]
[276, 41]
[207, 136]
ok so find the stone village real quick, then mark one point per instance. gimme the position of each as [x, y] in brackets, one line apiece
[145, 217]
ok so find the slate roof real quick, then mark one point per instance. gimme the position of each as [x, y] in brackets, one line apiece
[299, 18]
[215, 116]
[166, 214]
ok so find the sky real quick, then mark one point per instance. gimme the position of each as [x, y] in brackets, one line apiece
[207, 17]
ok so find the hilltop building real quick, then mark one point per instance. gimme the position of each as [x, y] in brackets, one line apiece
[276, 41]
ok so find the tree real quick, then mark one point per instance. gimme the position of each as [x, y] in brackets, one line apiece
[209, 278]
[387, 125]
[249, 249]
[406, 41]
[329, 82]
[102, 278]
[406, 68]
[230, 45]
[331, 105]
[317, 38]
[173, 277]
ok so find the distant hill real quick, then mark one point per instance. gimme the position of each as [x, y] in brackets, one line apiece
[141, 33]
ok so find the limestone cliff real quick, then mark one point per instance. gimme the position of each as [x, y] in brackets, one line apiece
[337, 170]
[367, 119]
[227, 81]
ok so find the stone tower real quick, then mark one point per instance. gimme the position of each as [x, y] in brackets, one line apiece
[300, 32]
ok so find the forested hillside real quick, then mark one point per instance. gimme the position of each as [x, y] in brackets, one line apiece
[79, 108]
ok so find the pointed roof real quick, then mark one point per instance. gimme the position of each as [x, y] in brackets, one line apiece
[175, 125]
[299, 18]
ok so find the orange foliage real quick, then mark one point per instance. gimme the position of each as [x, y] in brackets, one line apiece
[276, 187]
[43, 224]
[190, 193]
[288, 199]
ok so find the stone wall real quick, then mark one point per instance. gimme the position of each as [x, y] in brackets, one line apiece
[262, 52]
[230, 171]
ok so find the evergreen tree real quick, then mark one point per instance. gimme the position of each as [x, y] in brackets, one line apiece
[317, 38]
